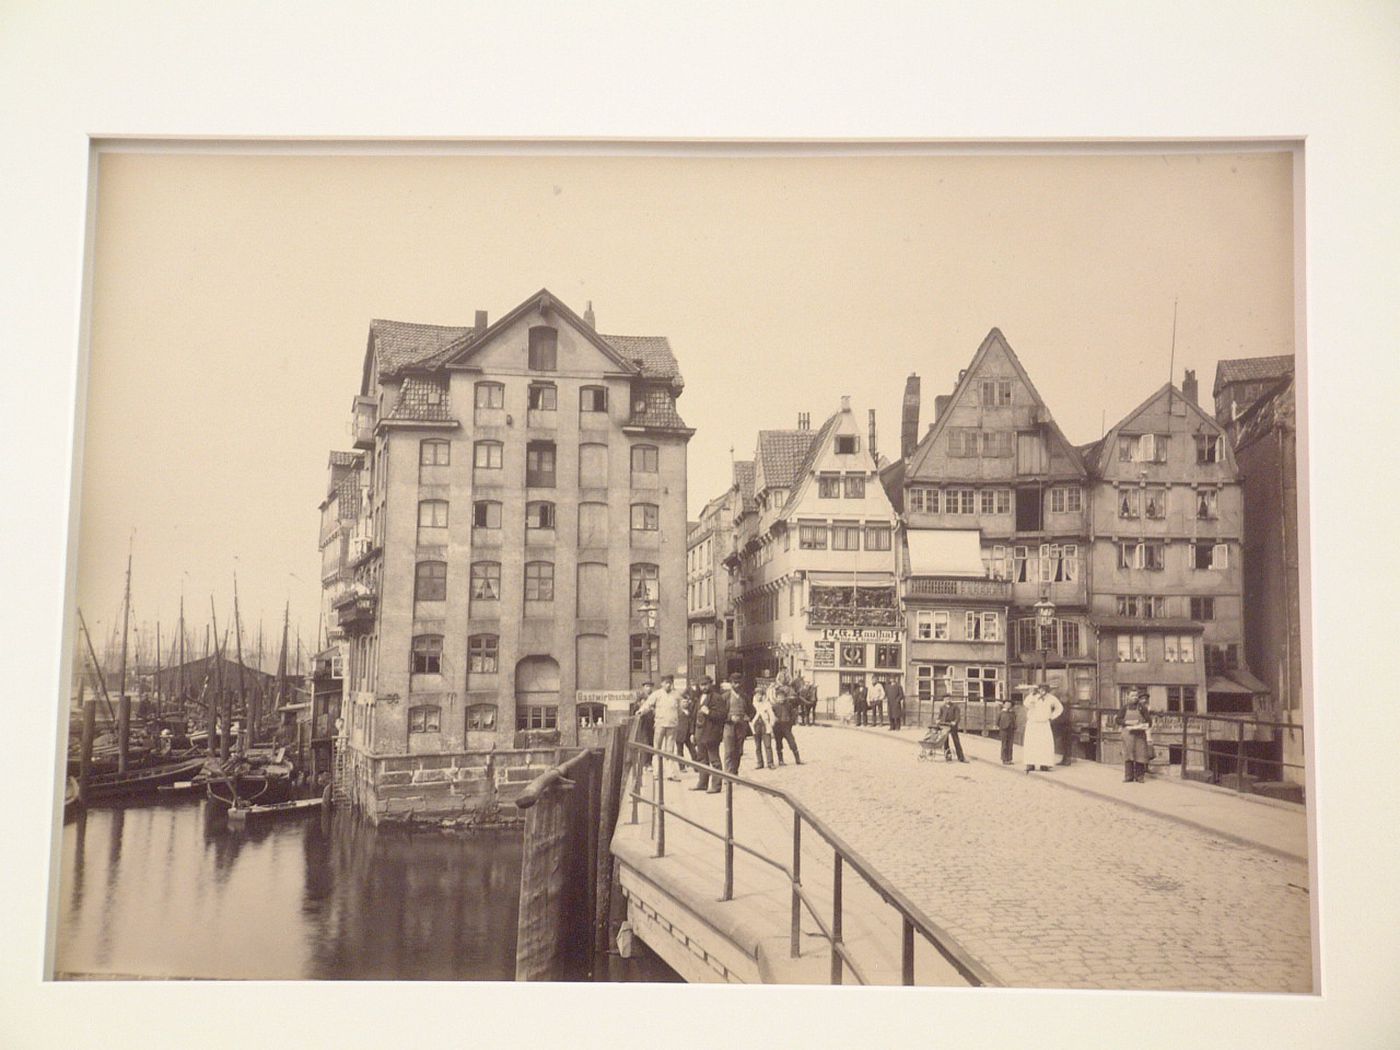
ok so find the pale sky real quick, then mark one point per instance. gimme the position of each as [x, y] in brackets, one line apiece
[232, 298]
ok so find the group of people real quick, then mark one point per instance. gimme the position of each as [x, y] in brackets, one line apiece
[711, 721]
[870, 705]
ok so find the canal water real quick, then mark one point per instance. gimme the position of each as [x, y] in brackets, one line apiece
[170, 890]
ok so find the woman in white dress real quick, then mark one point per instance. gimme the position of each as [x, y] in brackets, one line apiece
[1042, 708]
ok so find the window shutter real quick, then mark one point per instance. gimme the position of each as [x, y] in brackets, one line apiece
[1220, 556]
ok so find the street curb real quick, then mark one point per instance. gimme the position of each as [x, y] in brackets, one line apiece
[1229, 836]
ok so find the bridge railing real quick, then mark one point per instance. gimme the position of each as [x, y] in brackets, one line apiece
[912, 918]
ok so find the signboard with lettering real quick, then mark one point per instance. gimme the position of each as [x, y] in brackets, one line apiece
[823, 654]
[861, 634]
[612, 699]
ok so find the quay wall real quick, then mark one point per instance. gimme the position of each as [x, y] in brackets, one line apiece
[467, 785]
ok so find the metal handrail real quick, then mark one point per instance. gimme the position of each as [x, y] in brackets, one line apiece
[913, 918]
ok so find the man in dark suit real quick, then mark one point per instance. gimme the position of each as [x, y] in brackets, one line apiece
[711, 714]
[948, 717]
[736, 727]
[894, 699]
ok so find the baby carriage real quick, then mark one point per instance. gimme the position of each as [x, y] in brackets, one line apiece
[935, 741]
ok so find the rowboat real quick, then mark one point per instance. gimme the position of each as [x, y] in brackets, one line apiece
[140, 781]
[248, 814]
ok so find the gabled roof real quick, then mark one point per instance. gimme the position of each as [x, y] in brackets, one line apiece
[398, 345]
[743, 480]
[1276, 407]
[1110, 440]
[422, 399]
[969, 376]
[1249, 369]
[892, 480]
[809, 462]
[345, 459]
[780, 454]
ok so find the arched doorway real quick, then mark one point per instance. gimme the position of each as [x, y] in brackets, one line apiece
[537, 693]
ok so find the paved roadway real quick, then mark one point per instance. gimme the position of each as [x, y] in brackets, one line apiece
[1057, 888]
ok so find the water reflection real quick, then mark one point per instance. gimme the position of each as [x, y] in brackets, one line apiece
[171, 890]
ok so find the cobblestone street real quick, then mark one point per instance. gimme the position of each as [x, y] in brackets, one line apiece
[1056, 888]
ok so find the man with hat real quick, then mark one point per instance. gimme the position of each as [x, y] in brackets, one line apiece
[711, 714]
[736, 728]
[1135, 720]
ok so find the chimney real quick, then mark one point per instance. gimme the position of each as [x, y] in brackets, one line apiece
[845, 402]
[480, 320]
[909, 428]
[588, 318]
[804, 421]
[940, 404]
[872, 433]
[1188, 387]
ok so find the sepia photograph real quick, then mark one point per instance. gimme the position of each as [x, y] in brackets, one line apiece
[737, 564]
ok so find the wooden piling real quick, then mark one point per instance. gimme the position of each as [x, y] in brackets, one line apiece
[609, 804]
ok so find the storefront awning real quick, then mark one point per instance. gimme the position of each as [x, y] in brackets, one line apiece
[1237, 683]
[945, 552]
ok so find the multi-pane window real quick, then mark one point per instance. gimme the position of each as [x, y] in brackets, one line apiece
[593, 399]
[996, 393]
[482, 652]
[1208, 448]
[1181, 699]
[854, 486]
[432, 514]
[1128, 503]
[544, 349]
[887, 656]
[644, 459]
[1142, 448]
[982, 627]
[1132, 648]
[430, 581]
[940, 623]
[486, 455]
[1206, 504]
[1059, 562]
[828, 486]
[537, 716]
[812, 537]
[1071, 638]
[434, 453]
[1222, 658]
[544, 397]
[923, 499]
[1020, 564]
[1179, 649]
[1066, 499]
[983, 683]
[490, 395]
[1003, 501]
[646, 517]
[481, 718]
[878, 537]
[1148, 554]
[1154, 502]
[994, 444]
[486, 514]
[1207, 554]
[646, 653]
[425, 719]
[539, 514]
[539, 464]
[962, 441]
[1203, 608]
[995, 561]
[645, 587]
[960, 501]
[427, 654]
[923, 625]
[845, 537]
[1142, 606]
[987, 500]
[1027, 638]
[539, 581]
[486, 581]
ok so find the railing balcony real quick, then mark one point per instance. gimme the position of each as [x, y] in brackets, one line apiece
[837, 616]
[354, 609]
[952, 587]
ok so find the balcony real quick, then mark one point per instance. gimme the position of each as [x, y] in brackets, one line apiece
[955, 587]
[365, 414]
[354, 609]
[836, 616]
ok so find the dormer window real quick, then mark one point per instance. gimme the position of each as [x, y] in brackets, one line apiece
[846, 445]
[544, 348]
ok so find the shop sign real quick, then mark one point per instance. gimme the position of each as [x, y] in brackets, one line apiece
[823, 654]
[613, 700]
[861, 634]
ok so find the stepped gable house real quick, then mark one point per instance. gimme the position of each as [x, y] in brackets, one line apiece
[523, 535]
[995, 506]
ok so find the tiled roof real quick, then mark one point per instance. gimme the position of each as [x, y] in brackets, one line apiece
[1242, 369]
[743, 477]
[1276, 407]
[422, 400]
[347, 495]
[1090, 453]
[651, 353]
[780, 453]
[345, 459]
[659, 412]
[402, 344]
[809, 458]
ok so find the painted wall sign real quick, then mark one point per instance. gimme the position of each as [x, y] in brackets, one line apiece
[861, 634]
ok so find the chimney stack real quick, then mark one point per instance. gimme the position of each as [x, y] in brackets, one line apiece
[588, 318]
[845, 402]
[940, 404]
[872, 433]
[1189, 389]
[909, 428]
[480, 320]
[804, 421]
